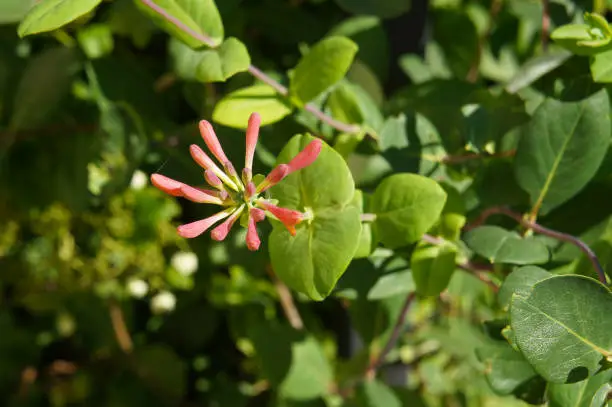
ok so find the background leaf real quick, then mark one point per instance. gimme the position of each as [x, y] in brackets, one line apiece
[49, 15]
[562, 148]
[406, 207]
[325, 64]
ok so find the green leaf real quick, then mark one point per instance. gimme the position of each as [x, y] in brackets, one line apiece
[214, 65]
[310, 374]
[406, 207]
[351, 104]
[601, 67]
[535, 68]
[294, 363]
[45, 82]
[562, 148]
[499, 245]
[571, 36]
[322, 67]
[506, 370]
[433, 267]
[371, 38]
[49, 15]
[200, 16]
[236, 107]
[562, 327]
[13, 11]
[315, 258]
[326, 185]
[579, 394]
[392, 284]
[460, 51]
[374, 393]
[520, 282]
[380, 8]
[602, 396]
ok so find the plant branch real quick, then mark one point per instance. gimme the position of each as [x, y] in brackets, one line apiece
[286, 301]
[120, 328]
[564, 237]
[375, 363]
[253, 70]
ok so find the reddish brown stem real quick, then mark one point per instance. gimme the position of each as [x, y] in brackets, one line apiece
[564, 237]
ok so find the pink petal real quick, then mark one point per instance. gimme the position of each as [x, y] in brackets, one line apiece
[274, 177]
[199, 196]
[176, 188]
[250, 190]
[167, 185]
[204, 161]
[212, 179]
[252, 134]
[230, 170]
[258, 214]
[220, 232]
[211, 140]
[195, 229]
[252, 238]
[288, 217]
[307, 156]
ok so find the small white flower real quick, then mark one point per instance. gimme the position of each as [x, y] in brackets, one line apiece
[137, 288]
[139, 180]
[185, 263]
[163, 302]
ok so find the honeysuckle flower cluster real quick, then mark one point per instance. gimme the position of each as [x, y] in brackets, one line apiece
[237, 195]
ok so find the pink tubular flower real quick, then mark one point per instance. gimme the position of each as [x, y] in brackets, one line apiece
[212, 142]
[234, 194]
[252, 238]
[288, 217]
[274, 177]
[176, 188]
[220, 232]
[252, 134]
[195, 229]
[307, 156]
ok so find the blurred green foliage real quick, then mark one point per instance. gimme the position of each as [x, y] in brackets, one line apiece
[500, 103]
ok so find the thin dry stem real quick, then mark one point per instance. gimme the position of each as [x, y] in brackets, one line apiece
[286, 301]
[124, 340]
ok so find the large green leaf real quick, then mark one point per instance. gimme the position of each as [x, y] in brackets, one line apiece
[563, 327]
[13, 11]
[380, 8]
[433, 267]
[236, 107]
[312, 261]
[49, 15]
[323, 66]
[214, 65]
[201, 17]
[562, 148]
[579, 394]
[406, 207]
[520, 282]
[499, 245]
